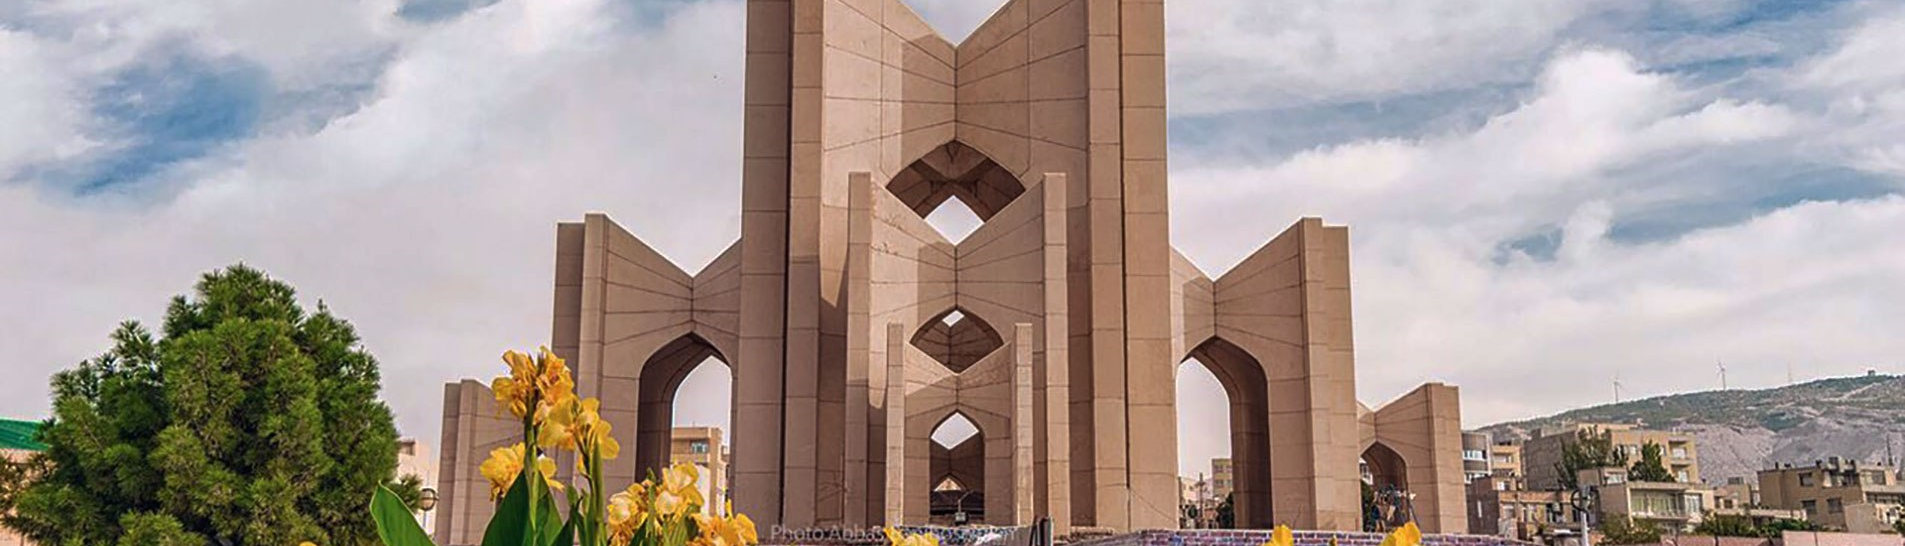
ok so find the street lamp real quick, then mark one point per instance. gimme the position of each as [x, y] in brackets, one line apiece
[427, 499]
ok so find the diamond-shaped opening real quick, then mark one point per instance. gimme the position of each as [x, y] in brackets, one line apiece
[949, 484]
[956, 175]
[955, 430]
[959, 343]
[955, 19]
[954, 220]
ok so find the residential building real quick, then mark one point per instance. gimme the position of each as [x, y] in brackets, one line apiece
[702, 447]
[1668, 505]
[1475, 456]
[1223, 477]
[1504, 460]
[1837, 494]
[1541, 455]
[17, 442]
[1498, 505]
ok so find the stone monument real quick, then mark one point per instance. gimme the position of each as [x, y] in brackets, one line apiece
[853, 328]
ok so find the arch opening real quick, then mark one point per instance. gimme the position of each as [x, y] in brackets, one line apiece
[1387, 502]
[957, 339]
[675, 428]
[957, 472]
[1239, 485]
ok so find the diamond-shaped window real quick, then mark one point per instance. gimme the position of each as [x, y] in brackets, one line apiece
[956, 175]
[957, 339]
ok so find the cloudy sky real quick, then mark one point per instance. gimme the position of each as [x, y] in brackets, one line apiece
[1543, 194]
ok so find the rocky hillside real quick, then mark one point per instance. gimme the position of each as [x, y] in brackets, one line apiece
[1741, 431]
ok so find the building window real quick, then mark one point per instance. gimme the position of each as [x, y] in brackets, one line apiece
[1811, 507]
[1693, 504]
[1680, 452]
[1835, 506]
[1474, 455]
[1805, 479]
[1682, 476]
[698, 447]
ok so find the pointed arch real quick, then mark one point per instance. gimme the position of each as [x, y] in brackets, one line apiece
[963, 463]
[1243, 379]
[661, 377]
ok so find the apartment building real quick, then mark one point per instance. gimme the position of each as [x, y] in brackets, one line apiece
[1475, 453]
[1837, 494]
[1541, 455]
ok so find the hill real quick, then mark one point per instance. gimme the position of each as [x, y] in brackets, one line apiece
[1739, 432]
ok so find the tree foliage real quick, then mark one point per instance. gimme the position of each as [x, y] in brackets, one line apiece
[1652, 466]
[1741, 526]
[1591, 448]
[1618, 529]
[247, 422]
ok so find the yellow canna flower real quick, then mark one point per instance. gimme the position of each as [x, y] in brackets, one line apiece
[626, 512]
[578, 425]
[545, 378]
[1281, 536]
[895, 538]
[554, 381]
[680, 480]
[1407, 535]
[307, 543]
[745, 526]
[735, 531]
[505, 463]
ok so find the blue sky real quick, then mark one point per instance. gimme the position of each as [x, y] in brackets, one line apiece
[1542, 193]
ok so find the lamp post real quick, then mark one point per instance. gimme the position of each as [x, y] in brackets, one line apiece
[959, 509]
[426, 502]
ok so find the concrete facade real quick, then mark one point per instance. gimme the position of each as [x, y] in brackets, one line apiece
[1073, 309]
[1541, 455]
[1838, 494]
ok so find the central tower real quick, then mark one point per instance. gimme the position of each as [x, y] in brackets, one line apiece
[1057, 103]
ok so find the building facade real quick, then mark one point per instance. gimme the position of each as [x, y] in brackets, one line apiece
[703, 448]
[1475, 456]
[1504, 459]
[1837, 494]
[854, 328]
[1223, 477]
[1501, 506]
[1542, 454]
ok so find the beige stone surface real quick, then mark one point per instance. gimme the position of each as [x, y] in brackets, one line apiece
[834, 308]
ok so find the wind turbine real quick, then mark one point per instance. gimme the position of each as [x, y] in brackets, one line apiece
[1722, 375]
[1617, 387]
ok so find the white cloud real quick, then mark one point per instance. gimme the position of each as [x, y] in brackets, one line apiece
[40, 107]
[426, 217]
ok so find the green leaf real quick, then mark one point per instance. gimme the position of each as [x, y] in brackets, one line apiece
[547, 515]
[566, 535]
[510, 524]
[396, 524]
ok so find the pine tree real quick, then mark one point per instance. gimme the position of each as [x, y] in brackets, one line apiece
[249, 422]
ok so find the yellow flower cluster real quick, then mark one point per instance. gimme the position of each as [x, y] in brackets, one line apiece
[1281, 536]
[577, 423]
[505, 463]
[676, 495]
[734, 530]
[543, 381]
[626, 512]
[1407, 535]
[895, 538]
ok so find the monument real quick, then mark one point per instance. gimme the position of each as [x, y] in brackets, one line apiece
[853, 328]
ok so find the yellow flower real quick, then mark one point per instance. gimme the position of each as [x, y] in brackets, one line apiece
[626, 512]
[1407, 535]
[1281, 536]
[307, 543]
[895, 538]
[544, 378]
[735, 531]
[677, 495]
[505, 463]
[579, 423]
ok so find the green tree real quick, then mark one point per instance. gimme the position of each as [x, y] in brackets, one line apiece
[1617, 529]
[248, 422]
[1591, 448]
[1652, 466]
[1227, 513]
[1727, 526]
